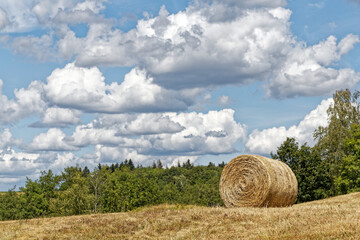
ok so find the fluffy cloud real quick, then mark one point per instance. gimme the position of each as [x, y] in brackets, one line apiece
[19, 14]
[24, 15]
[40, 47]
[228, 10]
[267, 140]
[67, 11]
[17, 163]
[185, 134]
[85, 89]
[28, 101]
[323, 81]
[85, 135]
[147, 124]
[112, 154]
[4, 20]
[52, 140]
[200, 135]
[110, 129]
[248, 3]
[16, 166]
[54, 15]
[185, 50]
[305, 72]
[7, 140]
[69, 44]
[59, 117]
[211, 43]
[145, 138]
[59, 161]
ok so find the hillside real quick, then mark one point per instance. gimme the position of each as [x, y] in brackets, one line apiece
[333, 218]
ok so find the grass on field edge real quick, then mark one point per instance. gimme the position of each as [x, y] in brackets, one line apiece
[332, 218]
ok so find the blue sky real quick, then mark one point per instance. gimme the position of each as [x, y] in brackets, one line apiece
[95, 81]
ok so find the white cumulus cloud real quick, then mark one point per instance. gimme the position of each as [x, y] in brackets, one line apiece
[268, 140]
[19, 15]
[28, 101]
[7, 140]
[306, 70]
[16, 166]
[186, 50]
[52, 140]
[185, 134]
[85, 89]
[59, 117]
[210, 43]
[17, 163]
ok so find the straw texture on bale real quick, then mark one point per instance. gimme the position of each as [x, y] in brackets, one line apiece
[256, 181]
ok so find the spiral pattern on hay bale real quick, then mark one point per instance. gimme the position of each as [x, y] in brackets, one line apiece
[257, 181]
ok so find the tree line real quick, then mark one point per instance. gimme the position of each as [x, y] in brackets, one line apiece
[115, 188]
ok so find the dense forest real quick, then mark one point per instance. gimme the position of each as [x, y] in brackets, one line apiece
[115, 188]
[331, 167]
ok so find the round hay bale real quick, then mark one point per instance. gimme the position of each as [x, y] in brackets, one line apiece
[256, 181]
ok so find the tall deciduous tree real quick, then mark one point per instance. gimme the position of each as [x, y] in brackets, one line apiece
[349, 174]
[341, 115]
[97, 181]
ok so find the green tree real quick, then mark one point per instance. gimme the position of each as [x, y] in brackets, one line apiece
[187, 164]
[97, 180]
[222, 164]
[211, 165]
[38, 194]
[68, 176]
[127, 190]
[131, 165]
[341, 115]
[79, 191]
[49, 184]
[159, 164]
[180, 182]
[75, 199]
[349, 176]
[312, 174]
[86, 171]
[34, 200]
[10, 206]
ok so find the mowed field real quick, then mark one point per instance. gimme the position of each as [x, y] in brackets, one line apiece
[333, 218]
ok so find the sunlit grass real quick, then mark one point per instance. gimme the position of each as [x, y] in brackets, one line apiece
[333, 218]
